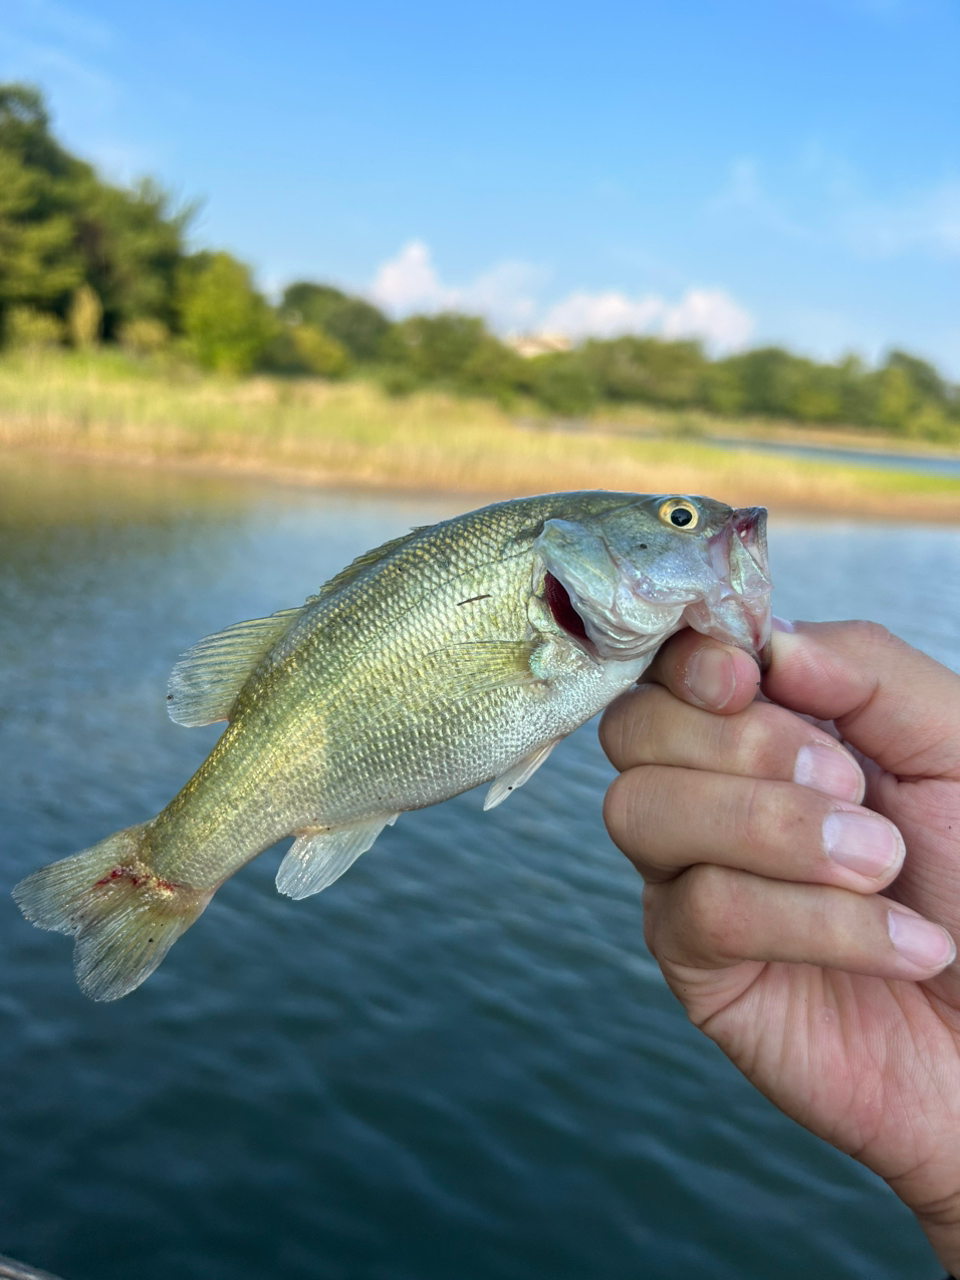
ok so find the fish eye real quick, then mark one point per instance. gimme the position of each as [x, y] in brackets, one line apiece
[680, 513]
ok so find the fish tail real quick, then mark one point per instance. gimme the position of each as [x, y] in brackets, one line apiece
[125, 917]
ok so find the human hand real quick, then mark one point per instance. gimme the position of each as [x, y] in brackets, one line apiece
[765, 847]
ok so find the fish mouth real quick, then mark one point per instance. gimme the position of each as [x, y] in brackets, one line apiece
[737, 611]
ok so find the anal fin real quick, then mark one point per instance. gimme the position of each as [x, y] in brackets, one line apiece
[517, 775]
[319, 856]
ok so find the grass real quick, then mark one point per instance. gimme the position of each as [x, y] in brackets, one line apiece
[106, 405]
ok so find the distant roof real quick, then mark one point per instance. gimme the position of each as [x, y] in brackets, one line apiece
[538, 344]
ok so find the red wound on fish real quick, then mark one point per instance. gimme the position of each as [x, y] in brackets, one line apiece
[561, 606]
[136, 879]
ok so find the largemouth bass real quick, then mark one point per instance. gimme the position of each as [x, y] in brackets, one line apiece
[456, 655]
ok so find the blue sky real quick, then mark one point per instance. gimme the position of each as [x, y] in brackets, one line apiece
[749, 172]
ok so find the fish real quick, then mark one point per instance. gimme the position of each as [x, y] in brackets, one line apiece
[458, 654]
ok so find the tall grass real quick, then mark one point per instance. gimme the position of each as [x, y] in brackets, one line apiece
[109, 406]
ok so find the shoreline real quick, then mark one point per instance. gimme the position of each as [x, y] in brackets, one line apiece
[901, 507]
[354, 435]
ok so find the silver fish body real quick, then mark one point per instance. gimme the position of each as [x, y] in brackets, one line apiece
[456, 655]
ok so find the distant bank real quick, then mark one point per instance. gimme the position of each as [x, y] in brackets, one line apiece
[354, 433]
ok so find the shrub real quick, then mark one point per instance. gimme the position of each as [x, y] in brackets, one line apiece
[318, 352]
[144, 336]
[30, 329]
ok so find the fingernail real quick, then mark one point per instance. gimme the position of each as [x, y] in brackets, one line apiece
[711, 678]
[781, 624]
[863, 843]
[830, 770]
[919, 941]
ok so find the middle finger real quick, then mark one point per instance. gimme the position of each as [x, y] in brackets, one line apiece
[666, 819]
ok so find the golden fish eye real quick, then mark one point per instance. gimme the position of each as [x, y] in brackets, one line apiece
[680, 514]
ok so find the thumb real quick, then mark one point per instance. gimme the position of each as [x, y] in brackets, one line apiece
[890, 701]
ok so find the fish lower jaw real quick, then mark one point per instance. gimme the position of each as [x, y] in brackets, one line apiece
[745, 624]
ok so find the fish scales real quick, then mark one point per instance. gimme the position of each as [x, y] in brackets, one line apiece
[455, 655]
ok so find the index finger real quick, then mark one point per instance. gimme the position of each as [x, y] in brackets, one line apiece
[898, 706]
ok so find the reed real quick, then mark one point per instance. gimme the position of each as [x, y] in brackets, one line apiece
[107, 406]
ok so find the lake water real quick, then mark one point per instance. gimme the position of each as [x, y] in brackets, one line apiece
[459, 1063]
[933, 464]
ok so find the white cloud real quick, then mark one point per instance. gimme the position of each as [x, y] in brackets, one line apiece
[409, 282]
[708, 314]
[507, 297]
[603, 315]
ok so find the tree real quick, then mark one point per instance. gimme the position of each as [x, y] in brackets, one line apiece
[647, 369]
[437, 347]
[563, 383]
[61, 226]
[355, 323]
[228, 324]
[924, 378]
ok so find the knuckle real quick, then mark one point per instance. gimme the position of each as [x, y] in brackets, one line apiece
[613, 807]
[747, 739]
[653, 916]
[771, 817]
[622, 806]
[610, 733]
[871, 634]
[711, 909]
[624, 727]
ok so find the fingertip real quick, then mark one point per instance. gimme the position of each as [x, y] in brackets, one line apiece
[921, 943]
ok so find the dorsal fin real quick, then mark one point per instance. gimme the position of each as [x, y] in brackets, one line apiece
[356, 567]
[206, 680]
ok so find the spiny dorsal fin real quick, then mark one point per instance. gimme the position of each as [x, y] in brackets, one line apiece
[205, 682]
[356, 567]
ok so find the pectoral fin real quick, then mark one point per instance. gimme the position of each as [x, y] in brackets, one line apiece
[517, 775]
[488, 664]
[318, 857]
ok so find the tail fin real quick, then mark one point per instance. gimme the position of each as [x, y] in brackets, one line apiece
[124, 917]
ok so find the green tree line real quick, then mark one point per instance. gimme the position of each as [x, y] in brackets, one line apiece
[85, 262]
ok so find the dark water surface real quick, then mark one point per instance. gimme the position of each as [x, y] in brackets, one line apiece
[460, 1062]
